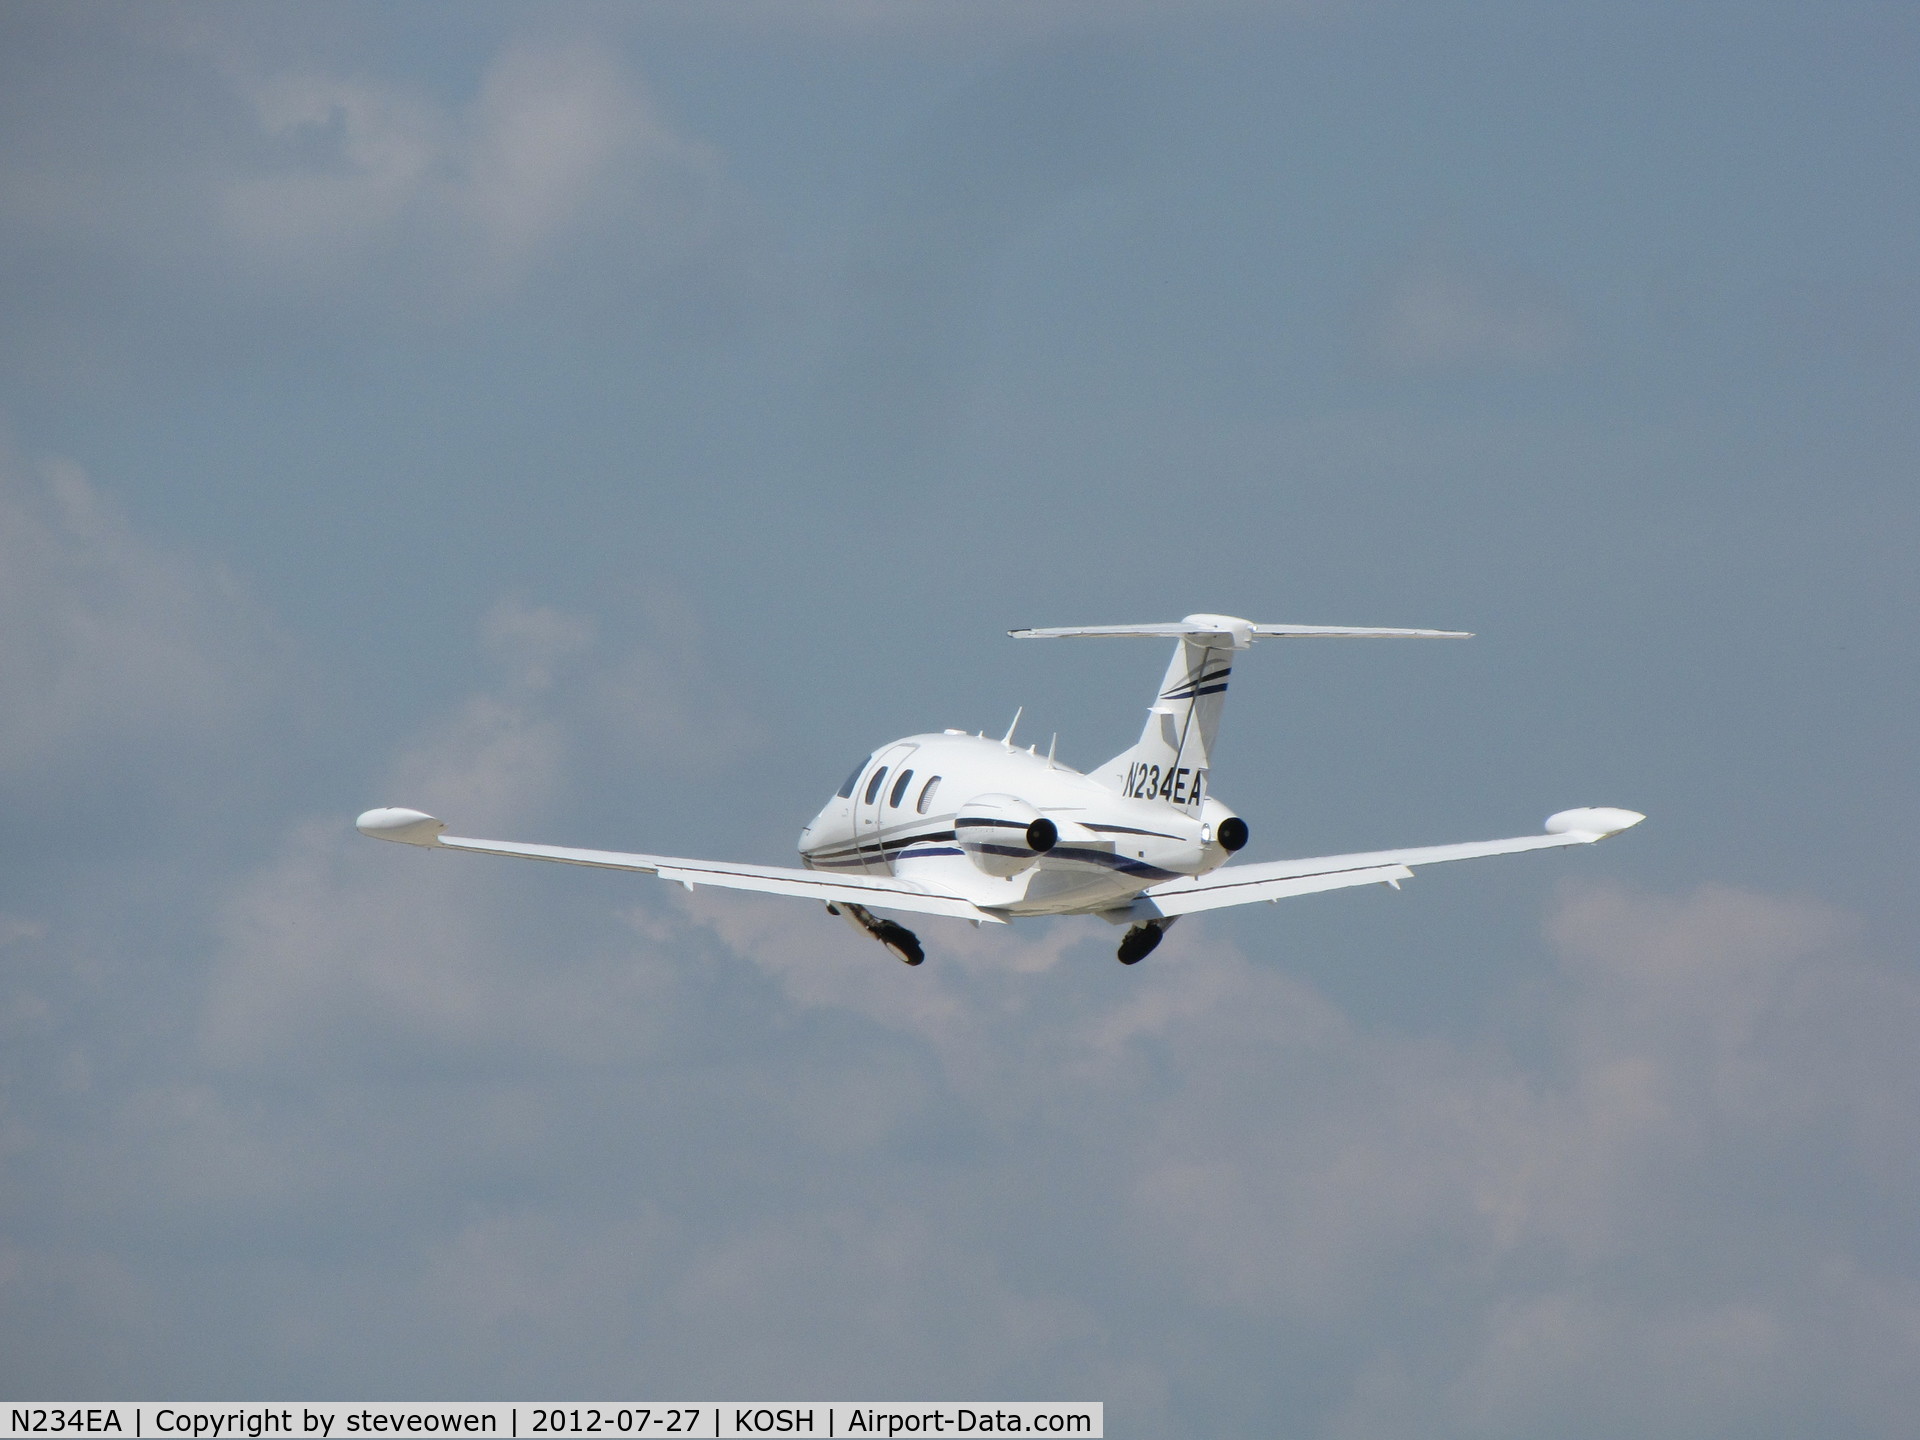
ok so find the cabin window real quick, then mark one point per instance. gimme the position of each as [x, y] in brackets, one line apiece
[845, 792]
[873, 785]
[926, 794]
[900, 788]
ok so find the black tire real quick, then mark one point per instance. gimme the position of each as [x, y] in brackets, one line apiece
[901, 941]
[1138, 943]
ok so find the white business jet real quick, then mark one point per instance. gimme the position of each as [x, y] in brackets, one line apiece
[959, 825]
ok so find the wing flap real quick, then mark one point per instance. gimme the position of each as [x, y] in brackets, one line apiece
[1247, 892]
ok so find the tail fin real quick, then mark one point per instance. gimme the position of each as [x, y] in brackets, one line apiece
[1174, 753]
[1170, 760]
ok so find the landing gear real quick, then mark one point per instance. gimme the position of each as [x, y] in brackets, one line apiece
[900, 940]
[896, 937]
[1138, 942]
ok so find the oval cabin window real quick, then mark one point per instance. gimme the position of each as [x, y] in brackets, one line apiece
[873, 785]
[926, 794]
[900, 788]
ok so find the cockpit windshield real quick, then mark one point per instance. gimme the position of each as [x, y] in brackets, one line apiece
[845, 792]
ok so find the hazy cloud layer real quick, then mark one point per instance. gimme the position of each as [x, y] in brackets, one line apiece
[108, 642]
[581, 1135]
[557, 137]
[1449, 316]
[247, 180]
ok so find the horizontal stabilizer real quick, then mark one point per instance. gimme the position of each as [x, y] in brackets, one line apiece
[1238, 633]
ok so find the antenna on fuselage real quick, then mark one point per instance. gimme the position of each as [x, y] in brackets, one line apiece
[1007, 739]
[1055, 740]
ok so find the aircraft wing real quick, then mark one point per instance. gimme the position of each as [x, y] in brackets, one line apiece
[1245, 884]
[411, 827]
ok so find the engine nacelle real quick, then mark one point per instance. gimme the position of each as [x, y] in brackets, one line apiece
[1003, 835]
[1220, 826]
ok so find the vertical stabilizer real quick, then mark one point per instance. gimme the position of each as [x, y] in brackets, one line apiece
[1171, 758]
[1175, 751]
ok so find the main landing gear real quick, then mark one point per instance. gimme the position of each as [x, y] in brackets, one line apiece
[1138, 942]
[896, 937]
[1135, 945]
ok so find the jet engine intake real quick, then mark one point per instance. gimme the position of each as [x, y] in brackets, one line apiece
[1002, 834]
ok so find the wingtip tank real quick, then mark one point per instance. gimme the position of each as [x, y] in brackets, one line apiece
[1599, 821]
[408, 827]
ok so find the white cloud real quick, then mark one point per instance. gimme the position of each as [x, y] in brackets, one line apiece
[1633, 1235]
[369, 152]
[558, 138]
[1436, 316]
[991, 25]
[108, 643]
[199, 171]
[533, 642]
[341, 939]
[1638, 1233]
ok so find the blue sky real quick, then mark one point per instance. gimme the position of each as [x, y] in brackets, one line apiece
[603, 424]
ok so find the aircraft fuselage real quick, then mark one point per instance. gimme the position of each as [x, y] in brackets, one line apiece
[956, 811]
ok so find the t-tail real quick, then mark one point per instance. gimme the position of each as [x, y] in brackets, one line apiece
[1173, 757]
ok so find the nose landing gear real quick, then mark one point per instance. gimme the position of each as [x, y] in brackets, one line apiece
[896, 937]
[1138, 942]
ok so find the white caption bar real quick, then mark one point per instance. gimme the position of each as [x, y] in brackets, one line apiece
[693, 1420]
